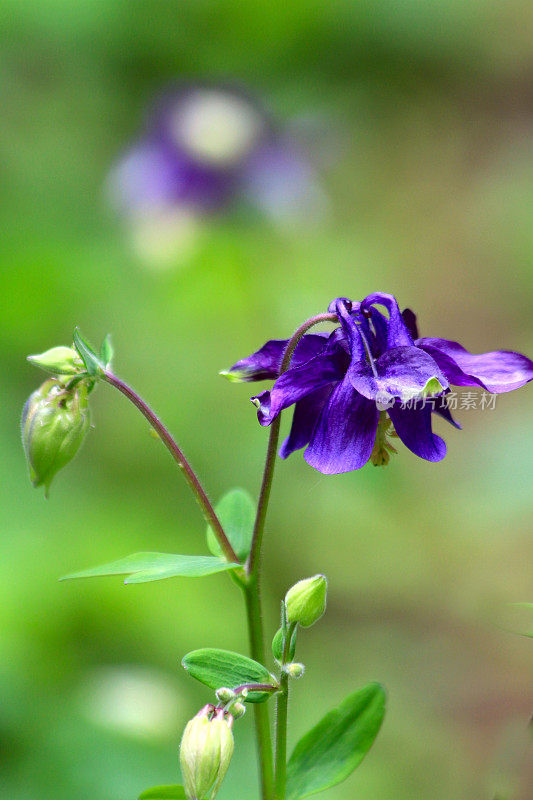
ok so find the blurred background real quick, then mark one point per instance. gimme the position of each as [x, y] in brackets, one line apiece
[407, 129]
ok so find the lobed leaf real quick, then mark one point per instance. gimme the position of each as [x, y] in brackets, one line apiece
[144, 567]
[236, 511]
[216, 668]
[164, 793]
[330, 751]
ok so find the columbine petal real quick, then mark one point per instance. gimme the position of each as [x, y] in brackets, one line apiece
[345, 433]
[403, 373]
[397, 332]
[306, 414]
[499, 371]
[298, 382]
[441, 407]
[409, 317]
[266, 362]
[413, 426]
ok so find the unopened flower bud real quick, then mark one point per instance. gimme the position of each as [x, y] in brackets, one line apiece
[59, 360]
[238, 710]
[205, 752]
[224, 695]
[55, 421]
[306, 601]
[294, 670]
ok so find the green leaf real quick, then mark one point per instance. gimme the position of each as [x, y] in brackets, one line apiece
[217, 668]
[336, 746]
[236, 512]
[92, 362]
[164, 793]
[143, 567]
[106, 351]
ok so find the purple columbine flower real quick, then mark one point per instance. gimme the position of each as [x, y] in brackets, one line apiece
[204, 146]
[371, 378]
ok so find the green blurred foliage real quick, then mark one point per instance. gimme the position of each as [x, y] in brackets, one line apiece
[431, 191]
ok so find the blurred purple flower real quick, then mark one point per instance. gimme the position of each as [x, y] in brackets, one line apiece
[368, 379]
[206, 146]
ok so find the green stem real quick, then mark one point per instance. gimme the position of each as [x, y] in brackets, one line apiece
[281, 737]
[261, 713]
[251, 586]
[190, 475]
[268, 474]
[282, 710]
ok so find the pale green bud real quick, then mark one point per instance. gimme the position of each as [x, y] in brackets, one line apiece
[55, 421]
[306, 601]
[294, 670]
[238, 710]
[205, 752]
[59, 360]
[224, 695]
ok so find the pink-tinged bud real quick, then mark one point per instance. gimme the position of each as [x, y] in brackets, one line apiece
[205, 752]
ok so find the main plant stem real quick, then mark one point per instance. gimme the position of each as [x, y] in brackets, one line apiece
[190, 475]
[252, 590]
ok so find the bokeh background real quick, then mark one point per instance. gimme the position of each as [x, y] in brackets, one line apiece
[422, 119]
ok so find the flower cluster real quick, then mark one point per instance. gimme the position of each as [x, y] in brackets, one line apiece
[351, 389]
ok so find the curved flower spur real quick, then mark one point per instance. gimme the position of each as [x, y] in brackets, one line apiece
[370, 379]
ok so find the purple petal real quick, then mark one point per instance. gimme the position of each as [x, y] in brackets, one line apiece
[397, 332]
[402, 372]
[497, 372]
[409, 317]
[442, 409]
[306, 414]
[345, 433]
[266, 362]
[413, 426]
[298, 382]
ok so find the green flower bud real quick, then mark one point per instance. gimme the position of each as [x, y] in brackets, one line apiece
[294, 670]
[205, 752]
[55, 421]
[59, 360]
[238, 710]
[306, 601]
[224, 695]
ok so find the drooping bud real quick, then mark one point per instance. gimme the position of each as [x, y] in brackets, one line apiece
[55, 421]
[205, 752]
[294, 670]
[306, 601]
[59, 361]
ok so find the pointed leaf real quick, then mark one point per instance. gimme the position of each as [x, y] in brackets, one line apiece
[336, 746]
[216, 668]
[87, 354]
[143, 567]
[106, 351]
[236, 511]
[164, 793]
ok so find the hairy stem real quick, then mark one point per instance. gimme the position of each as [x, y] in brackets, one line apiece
[282, 710]
[281, 737]
[261, 714]
[251, 586]
[268, 474]
[190, 476]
